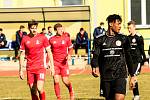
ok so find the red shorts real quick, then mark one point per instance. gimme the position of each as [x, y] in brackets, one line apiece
[34, 76]
[61, 69]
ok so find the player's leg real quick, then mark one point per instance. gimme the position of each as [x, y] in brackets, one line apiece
[119, 96]
[66, 81]
[34, 91]
[32, 85]
[76, 48]
[136, 89]
[136, 92]
[120, 88]
[40, 86]
[56, 79]
[16, 53]
[68, 84]
[106, 86]
[57, 87]
[40, 83]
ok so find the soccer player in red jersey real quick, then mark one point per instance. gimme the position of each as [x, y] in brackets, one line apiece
[61, 49]
[32, 47]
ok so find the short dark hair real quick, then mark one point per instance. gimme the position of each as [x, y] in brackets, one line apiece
[56, 26]
[113, 18]
[49, 27]
[81, 29]
[101, 23]
[131, 22]
[1, 29]
[21, 26]
[32, 22]
[43, 29]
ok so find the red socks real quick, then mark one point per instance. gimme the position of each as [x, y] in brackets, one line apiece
[35, 97]
[70, 88]
[57, 90]
[42, 95]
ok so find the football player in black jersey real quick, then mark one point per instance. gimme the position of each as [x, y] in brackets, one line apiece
[137, 53]
[112, 56]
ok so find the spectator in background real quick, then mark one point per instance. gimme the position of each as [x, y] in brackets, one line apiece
[81, 40]
[19, 35]
[50, 30]
[43, 31]
[98, 31]
[3, 40]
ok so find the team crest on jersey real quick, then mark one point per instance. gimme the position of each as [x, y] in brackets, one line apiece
[37, 42]
[54, 42]
[104, 43]
[112, 52]
[133, 40]
[28, 42]
[118, 43]
[63, 42]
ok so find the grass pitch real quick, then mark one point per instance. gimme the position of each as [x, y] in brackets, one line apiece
[85, 86]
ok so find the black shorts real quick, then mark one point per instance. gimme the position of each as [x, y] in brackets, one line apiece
[108, 89]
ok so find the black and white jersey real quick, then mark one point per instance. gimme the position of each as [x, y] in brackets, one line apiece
[137, 48]
[112, 55]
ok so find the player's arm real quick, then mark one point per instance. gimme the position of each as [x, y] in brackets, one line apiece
[50, 56]
[21, 64]
[94, 61]
[70, 49]
[141, 48]
[127, 50]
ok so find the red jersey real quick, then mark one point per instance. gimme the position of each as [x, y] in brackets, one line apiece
[34, 50]
[66, 34]
[59, 46]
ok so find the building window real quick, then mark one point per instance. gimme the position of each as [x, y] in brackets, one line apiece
[148, 12]
[72, 2]
[139, 11]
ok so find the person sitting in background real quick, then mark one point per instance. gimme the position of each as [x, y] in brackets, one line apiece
[19, 35]
[81, 40]
[3, 40]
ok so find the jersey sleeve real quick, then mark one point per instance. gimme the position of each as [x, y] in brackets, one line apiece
[141, 48]
[69, 43]
[46, 42]
[22, 46]
[96, 52]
